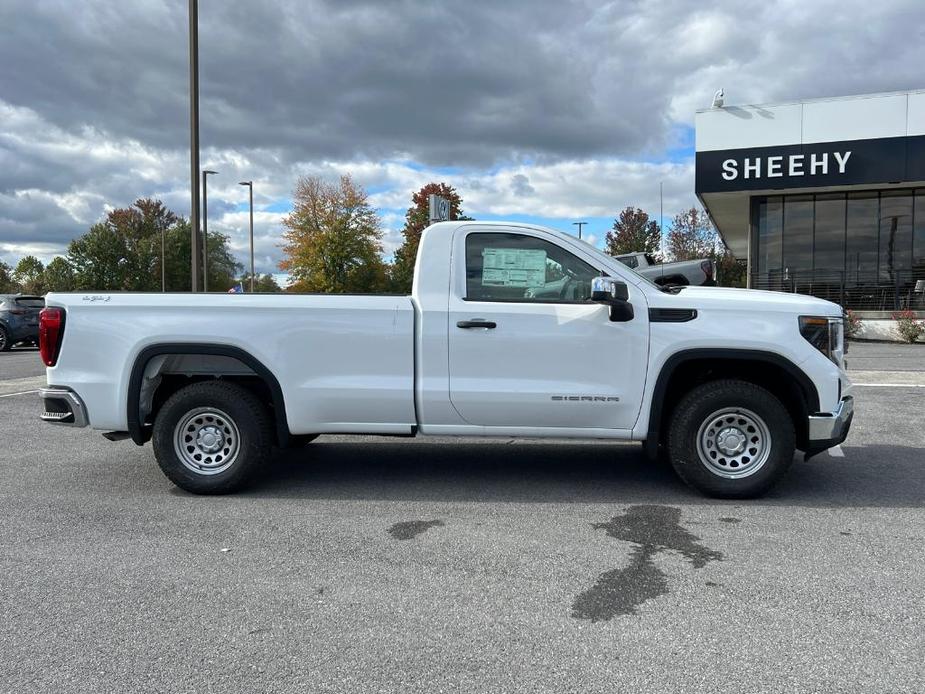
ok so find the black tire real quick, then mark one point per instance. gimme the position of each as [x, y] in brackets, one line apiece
[204, 407]
[723, 412]
[6, 340]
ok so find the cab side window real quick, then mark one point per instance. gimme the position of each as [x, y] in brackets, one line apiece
[521, 268]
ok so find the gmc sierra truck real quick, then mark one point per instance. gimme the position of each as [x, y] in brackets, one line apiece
[511, 330]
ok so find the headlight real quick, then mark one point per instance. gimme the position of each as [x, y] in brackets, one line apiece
[826, 334]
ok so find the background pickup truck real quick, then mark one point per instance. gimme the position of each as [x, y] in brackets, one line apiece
[700, 272]
[511, 330]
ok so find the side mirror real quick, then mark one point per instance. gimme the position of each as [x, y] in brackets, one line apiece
[607, 290]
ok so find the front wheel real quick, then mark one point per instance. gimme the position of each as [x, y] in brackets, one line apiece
[731, 439]
[211, 437]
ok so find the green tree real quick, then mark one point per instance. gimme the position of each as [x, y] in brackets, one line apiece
[123, 252]
[730, 271]
[7, 285]
[691, 236]
[333, 239]
[98, 259]
[59, 276]
[262, 283]
[29, 275]
[223, 268]
[634, 232]
[417, 218]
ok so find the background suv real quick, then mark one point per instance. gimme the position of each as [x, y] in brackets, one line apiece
[19, 319]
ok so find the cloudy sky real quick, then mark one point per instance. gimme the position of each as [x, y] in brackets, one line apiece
[548, 110]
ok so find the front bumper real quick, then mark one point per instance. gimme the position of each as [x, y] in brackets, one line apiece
[827, 430]
[62, 406]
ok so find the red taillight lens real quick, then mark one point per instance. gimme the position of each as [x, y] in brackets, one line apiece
[51, 330]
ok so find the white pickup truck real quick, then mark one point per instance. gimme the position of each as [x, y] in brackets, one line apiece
[701, 272]
[511, 330]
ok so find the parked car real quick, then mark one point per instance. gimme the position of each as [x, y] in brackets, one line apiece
[728, 383]
[19, 319]
[700, 272]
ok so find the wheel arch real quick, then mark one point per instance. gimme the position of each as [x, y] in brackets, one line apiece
[688, 368]
[140, 433]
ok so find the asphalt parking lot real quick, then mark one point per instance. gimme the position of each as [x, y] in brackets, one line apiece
[438, 566]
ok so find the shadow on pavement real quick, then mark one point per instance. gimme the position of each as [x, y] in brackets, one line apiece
[888, 476]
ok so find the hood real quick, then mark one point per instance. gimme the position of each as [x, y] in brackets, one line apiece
[760, 300]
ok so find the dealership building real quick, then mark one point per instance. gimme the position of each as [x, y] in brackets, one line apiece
[823, 196]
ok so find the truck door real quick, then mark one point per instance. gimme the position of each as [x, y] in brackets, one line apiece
[527, 347]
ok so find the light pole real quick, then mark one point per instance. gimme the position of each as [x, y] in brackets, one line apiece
[163, 264]
[205, 231]
[194, 140]
[250, 186]
[579, 225]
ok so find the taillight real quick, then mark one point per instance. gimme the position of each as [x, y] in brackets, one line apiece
[51, 331]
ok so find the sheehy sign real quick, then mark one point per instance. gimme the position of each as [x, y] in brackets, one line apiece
[884, 160]
[778, 166]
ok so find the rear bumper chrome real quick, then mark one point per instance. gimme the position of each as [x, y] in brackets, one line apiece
[828, 430]
[61, 406]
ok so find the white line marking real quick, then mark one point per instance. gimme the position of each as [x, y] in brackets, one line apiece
[889, 385]
[836, 452]
[25, 392]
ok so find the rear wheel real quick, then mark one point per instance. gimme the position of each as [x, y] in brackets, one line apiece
[731, 439]
[211, 437]
[6, 340]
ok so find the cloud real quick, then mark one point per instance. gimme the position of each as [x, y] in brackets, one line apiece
[561, 109]
[520, 185]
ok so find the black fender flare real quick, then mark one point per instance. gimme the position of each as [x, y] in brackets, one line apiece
[657, 407]
[141, 434]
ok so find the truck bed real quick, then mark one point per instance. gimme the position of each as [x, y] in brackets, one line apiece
[344, 362]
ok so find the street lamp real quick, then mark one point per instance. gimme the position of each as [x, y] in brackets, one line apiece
[163, 258]
[250, 186]
[194, 141]
[205, 232]
[579, 225]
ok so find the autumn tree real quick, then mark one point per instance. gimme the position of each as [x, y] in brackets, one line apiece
[333, 239]
[7, 285]
[417, 218]
[691, 236]
[633, 232]
[59, 276]
[29, 275]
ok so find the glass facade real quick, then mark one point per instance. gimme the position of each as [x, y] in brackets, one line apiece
[864, 250]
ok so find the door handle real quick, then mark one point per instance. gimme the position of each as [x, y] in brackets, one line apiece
[476, 324]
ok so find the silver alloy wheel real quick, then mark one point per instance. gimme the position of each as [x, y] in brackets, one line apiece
[206, 440]
[733, 443]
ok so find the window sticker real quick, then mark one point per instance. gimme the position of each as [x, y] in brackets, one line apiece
[513, 267]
